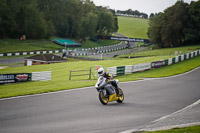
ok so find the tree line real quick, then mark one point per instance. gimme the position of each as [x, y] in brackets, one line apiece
[130, 12]
[78, 19]
[176, 26]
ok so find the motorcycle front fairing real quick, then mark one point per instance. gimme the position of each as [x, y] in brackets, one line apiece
[102, 84]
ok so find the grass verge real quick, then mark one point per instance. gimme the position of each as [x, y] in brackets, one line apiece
[60, 75]
[192, 129]
[163, 51]
[15, 45]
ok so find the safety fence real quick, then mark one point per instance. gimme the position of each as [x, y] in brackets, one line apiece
[128, 69]
[24, 77]
[80, 73]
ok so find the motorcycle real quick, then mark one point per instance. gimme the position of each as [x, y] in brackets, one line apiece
[107, 92]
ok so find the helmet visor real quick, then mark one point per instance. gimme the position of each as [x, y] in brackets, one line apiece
[101, 72]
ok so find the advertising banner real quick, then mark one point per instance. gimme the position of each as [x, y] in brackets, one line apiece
[120, 70]
[157, 64]
[124, 39]
[13, 78]
[141, 67]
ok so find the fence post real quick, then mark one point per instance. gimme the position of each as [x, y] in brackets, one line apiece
[70, 75]
[90, 73]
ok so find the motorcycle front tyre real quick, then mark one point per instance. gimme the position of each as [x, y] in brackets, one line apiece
[121, 97]
[102, 98]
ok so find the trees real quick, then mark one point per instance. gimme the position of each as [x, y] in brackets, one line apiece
[88, 26]
[176, 18]
[192, 32]
[134, 13]
[106, 22]
[151, 15]
[22, 18]
[177, 25]
[79, 19]
[155, 26]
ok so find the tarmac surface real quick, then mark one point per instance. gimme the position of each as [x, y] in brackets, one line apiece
[188, 116]
[149, 104]
[11, 60]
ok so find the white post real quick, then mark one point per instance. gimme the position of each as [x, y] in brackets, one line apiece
[101, 56]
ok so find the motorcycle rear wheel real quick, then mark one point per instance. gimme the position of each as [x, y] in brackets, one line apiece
[121, 97]
[104, 100]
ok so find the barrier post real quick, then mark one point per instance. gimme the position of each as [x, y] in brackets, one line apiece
[70, 75]
[90, 73]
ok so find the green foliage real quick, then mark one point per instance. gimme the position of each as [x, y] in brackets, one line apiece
[193, 28]
[76, 19]
[106, 22]
[88, 26]
[21, 18]
[179, 24]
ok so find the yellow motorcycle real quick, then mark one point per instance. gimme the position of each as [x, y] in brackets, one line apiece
[107, 92]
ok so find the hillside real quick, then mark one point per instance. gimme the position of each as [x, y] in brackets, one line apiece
[133, 27]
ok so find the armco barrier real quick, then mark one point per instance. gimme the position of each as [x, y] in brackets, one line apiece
[141, 67]
[112, 70]
[128, 69]
[41, 76]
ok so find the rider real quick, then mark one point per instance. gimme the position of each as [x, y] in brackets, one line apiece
[108, 76]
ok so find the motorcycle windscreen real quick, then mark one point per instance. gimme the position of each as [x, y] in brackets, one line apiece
[110, 89]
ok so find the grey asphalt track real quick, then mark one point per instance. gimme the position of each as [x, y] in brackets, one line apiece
[79, 110]
[11, 60]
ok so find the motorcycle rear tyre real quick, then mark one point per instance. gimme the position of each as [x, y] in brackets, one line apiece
[103, 100]
[121, 98]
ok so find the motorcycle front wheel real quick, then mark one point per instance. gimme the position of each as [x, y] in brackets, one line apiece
[121, 97]
[102, 98]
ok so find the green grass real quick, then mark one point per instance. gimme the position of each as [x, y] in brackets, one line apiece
[91, 44]
[133, 27]
[60, 75]
[15, 45]
[192, 129]
[164, 51]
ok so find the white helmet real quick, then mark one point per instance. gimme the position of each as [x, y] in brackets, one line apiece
[101, 71]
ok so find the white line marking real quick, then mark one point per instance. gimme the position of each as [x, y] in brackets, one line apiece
[179, 111]
[174, 126]
[164, 117]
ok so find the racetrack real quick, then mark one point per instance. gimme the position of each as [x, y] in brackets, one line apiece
[79, 111]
